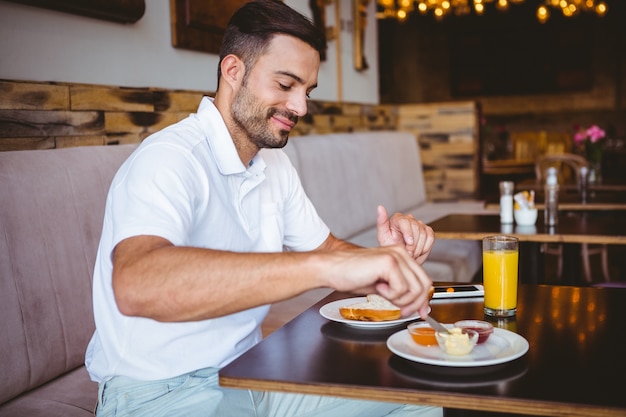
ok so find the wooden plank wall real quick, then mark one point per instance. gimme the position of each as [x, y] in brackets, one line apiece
[447, 134]
[52, 115]
[35, 115]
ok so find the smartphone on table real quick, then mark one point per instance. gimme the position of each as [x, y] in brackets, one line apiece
[458, 291]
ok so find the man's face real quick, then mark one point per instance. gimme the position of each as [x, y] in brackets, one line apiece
[274, 92]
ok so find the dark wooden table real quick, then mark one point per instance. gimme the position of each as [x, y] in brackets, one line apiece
[571, 200]
[573, 227]
[602, 227]
[575, 365]
[607, 185]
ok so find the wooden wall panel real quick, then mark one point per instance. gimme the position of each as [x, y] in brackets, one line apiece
[56, 115]
[26, 143]
[104, 98]
[33, 96]
[120, 122]
[178, 101]
[82, 140]
[447, 134]
[24, 123]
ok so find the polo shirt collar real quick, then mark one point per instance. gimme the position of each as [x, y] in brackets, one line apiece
[221, 143]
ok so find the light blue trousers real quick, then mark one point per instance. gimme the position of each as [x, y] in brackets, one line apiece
[198, 394]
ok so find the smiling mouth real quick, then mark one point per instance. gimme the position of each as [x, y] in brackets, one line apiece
[286, 120]
[284, 124]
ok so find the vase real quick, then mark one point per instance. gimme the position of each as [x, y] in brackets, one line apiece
[595, 172]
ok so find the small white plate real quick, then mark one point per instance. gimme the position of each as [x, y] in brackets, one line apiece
[501, 347]
[330, 311]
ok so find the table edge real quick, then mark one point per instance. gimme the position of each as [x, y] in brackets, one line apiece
[434, 398]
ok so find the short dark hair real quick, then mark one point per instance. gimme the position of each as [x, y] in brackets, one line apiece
[253, 26]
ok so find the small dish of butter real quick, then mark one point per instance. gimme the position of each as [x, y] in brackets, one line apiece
[458, 341]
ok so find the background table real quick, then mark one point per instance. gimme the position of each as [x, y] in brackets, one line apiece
[605, 227]
[571, 200]
[608, 185]
[576, 336]
[573, 227]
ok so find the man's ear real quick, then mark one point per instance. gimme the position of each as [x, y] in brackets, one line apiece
[233, 70]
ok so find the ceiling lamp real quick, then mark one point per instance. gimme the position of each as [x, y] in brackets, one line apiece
[571, 8]
[400, 9]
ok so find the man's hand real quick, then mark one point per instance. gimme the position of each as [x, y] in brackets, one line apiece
[389, 271]
[402, 229]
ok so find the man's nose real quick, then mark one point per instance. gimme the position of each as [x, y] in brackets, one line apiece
[298, 104]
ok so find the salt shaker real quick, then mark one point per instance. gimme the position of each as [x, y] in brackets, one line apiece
[506, 201]
[551, 212]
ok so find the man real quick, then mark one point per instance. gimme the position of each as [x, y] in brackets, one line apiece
[206, 225]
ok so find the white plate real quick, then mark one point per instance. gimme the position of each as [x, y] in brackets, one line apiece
[502, 346]
[330, 311]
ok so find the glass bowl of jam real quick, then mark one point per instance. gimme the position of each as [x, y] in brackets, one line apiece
[483, 328]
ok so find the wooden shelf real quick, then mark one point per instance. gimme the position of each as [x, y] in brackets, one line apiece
[508, 166]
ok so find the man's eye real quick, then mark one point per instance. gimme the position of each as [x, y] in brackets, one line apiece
[284, 87]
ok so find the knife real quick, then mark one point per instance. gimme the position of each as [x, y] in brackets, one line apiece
[436, 325]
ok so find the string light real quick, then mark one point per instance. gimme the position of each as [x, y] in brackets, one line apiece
[571, 8]
[400, 9]
[439, 8]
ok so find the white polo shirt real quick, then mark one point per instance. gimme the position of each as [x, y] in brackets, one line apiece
[188, 185]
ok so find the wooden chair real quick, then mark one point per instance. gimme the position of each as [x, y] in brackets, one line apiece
[568, 166]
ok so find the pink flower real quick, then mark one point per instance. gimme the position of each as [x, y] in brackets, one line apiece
[580, 137]
[595, 133]
[589, 142]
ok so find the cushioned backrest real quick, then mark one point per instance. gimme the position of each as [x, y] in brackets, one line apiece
[51, 211]
[347, 175]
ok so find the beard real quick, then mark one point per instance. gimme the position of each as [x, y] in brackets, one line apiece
[251, 118]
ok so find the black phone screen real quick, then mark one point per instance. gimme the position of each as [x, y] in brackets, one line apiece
[457, 288]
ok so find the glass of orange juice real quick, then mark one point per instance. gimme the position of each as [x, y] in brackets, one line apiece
[500, 264]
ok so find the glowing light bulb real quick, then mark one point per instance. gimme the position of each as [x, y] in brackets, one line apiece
[543, 14]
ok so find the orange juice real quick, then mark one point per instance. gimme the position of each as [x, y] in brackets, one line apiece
[500, 279]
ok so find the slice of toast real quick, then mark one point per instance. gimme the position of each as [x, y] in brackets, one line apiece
[376, 308]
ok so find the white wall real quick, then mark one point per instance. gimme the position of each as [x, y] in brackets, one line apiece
[43, 45]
